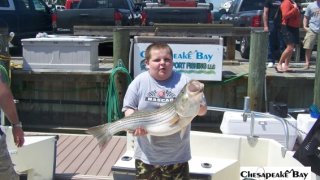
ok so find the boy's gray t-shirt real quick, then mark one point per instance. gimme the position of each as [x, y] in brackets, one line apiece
[313, 12]
[145, 93]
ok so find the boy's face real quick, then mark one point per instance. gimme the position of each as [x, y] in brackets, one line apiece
[160, 64]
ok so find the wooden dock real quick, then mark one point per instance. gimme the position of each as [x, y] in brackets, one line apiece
[297, 71]
[78, 156]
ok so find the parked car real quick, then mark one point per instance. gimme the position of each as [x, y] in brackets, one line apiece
[25, 18]
[244, 13]
[171, 11]
[98, 13]
[217, 6]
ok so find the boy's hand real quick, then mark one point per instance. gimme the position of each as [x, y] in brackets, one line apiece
[140, 131]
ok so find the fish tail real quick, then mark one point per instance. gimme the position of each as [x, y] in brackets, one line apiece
[102, 134]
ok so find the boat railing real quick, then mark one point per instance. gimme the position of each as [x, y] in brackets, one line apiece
[252, 114]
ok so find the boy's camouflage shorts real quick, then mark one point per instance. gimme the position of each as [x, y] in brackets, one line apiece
[172, 172]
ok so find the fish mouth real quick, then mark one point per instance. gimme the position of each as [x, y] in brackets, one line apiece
[196, 86]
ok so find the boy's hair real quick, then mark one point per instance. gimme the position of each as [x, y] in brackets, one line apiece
[157, 45]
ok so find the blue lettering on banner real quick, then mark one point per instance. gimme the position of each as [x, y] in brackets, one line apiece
[142, 54]
[198, 55]
[183, 55]
[201, 55]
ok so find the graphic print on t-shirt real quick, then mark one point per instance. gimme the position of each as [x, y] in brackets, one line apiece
[161, 96]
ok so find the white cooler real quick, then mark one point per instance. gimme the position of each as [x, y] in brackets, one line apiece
[304, 123]
[36, 157]
[66, 53]
[264, 127]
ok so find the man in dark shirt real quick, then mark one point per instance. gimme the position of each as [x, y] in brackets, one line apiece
[272, 23]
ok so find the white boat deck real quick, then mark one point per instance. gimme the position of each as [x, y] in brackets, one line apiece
[79, 156]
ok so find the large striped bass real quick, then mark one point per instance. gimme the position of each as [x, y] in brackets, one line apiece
[169, 119]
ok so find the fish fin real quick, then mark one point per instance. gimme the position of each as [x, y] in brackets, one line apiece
[182, 132]
[102, 135]
[174, 120]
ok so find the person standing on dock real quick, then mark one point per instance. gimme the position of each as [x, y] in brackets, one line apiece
[272, 24]
[290, 24]
[311, 24]
[163, 157]
[8, 106]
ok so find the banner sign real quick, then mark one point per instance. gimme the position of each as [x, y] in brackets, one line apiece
[198, 61]
[275, 173]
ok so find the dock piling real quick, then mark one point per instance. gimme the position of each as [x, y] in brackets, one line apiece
[316, 91]
[121, 46]
[257, 68]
